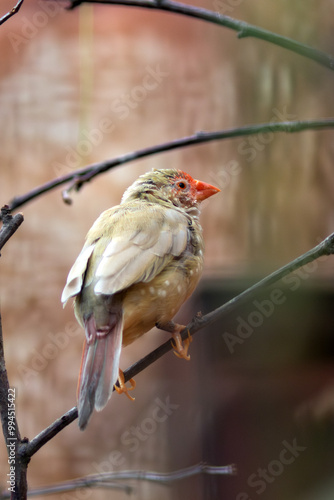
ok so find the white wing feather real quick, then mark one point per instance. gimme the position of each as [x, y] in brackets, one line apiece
[75, 276]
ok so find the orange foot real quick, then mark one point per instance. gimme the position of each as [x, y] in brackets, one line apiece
[122, 387]
[180, 347]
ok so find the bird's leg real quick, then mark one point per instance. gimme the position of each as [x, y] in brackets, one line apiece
[180, 348]
[122, 387]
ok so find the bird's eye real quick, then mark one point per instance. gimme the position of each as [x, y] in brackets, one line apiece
[182, 185]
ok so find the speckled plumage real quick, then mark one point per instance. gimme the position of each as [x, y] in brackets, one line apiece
[141, 260]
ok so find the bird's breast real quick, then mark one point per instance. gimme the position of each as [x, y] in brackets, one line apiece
[157, 301]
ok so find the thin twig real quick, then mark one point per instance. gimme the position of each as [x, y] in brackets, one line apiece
[10, 224]
[12, 12]
[326, 247]
[79, 177]
[241, 27]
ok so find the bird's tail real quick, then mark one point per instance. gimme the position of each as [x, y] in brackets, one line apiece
[99, 367]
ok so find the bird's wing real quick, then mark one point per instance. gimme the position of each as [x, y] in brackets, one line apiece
[130, 244]
[76, 275]
[143, 245]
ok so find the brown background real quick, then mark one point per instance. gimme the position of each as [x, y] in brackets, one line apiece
[61, 74]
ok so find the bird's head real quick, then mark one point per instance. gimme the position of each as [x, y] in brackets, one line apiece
[169, 187]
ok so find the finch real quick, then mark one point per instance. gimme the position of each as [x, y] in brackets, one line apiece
[141, 260]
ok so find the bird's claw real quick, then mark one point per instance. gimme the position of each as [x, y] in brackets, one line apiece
[122, 386]
[181, 348]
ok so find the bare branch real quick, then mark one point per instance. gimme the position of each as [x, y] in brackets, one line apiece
[10, 225]
[11, 13]
[110, 479]
[11, 431]
[326, 247]
[30, 448]
[242, 28]
[9, 423]
[4, 387]
[79, 177]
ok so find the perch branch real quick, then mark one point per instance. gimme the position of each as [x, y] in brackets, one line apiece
[241, 27]
[79, 177]
[12, 12]
[326, 247]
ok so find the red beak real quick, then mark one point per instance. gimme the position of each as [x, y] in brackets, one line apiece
[204, 190]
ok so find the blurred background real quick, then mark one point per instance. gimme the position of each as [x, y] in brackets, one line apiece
[82, 86]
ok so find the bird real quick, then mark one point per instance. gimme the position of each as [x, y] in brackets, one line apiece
[141, 260]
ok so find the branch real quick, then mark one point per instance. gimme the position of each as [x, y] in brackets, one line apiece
[11, 13]
[109, 479]
[326, 247]
[242, 28]
[9, 226]
[30, 448]
[79, 177]
[10, 429]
